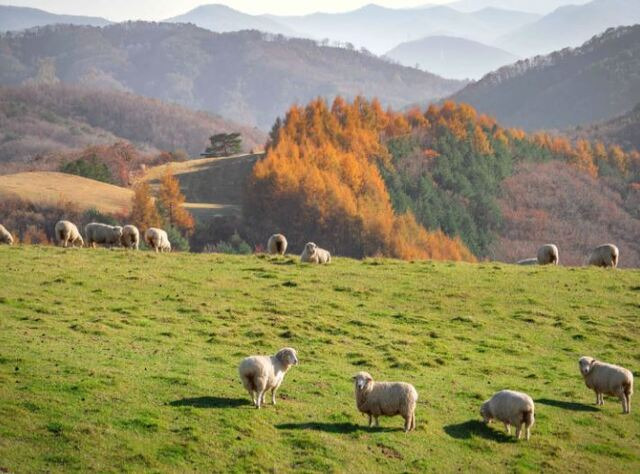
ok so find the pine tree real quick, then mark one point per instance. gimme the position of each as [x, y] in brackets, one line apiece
[144, 213]
[224, 144]
[170, 203]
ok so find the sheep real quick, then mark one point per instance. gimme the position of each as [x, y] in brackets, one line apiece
[5, 236]
[130, 237]
[314, 254]
[262, 373]
[607, 379]
[386, 399]
[528, 261]
[604, 256]
[157, 239]
[97, 233]
[67, 233]
[277, 244]
[548, 254]
[511, 408]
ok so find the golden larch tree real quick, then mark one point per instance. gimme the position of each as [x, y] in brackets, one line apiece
[144, 213]
[171, 203]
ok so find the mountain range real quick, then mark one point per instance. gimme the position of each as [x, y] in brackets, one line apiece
[20, 18]
[595, 82]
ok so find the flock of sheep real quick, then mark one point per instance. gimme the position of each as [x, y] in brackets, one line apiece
[260, 374]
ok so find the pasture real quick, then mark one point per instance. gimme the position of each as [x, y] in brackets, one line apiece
[121, 361]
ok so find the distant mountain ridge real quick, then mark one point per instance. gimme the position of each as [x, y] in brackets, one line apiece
[623, 130]
[20, 18]
[594, 82]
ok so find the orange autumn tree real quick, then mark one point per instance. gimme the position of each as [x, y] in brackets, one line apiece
[144, 213]
[320, 181]
[171, 203]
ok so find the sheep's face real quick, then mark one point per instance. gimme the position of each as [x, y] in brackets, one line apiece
[485, 412]
[310, 248]
[118, 230]
[362, 379]
[79, 241]
[288, 356]
[585, 364]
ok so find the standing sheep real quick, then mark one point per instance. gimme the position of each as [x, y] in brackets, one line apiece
[130, 237]
[314, 254]
[604, 256]
[5, 236]
[548, 254]
[157, 239]
[511, 408]
[68, 234]
[262, 373]
[607, 379]
[97, 233]
[277, 244]
[386, 399]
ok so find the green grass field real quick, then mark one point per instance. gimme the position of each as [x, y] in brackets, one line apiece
[115, 361]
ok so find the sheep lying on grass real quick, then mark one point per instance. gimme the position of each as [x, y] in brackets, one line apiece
[262, 373]
[548, 254]
[314, 254]
[157, 239]
[511, 408]
[386, 399]
[104, 234]
[130, 237]
[5, 236]
[277, 244]
[604, 256]
[67, 234]
[607, 379]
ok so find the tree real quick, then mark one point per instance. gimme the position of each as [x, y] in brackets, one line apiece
[91, 167]
[144, 213]
[171, 201]
[224, 144]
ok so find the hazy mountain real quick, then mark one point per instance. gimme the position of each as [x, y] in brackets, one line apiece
[222, 19]
[595, 82]
[451, 57]
[20, 18]
[623, 130]
[570, 26]
[249, 77]
[534, 6]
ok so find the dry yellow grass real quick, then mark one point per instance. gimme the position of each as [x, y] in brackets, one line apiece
[51, 188]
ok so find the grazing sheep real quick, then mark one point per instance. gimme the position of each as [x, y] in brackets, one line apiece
[157, 239]
[548, 254]
[604, 256]
[97, 233]
[511, 408]
[277, 244]
[386, 399]
[68, 234]
[607, 379]
[130, 237]
[262, 373]
[314, 254]
[5, 236]
[528, 261]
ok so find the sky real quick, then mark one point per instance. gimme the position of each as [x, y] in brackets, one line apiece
[119, 10]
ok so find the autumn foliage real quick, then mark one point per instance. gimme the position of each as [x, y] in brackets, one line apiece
[320, 181]
[144, 213]
[171, 201]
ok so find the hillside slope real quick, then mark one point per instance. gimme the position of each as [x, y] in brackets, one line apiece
[595, 82]
[36, 120]
[623, 130]
[20, 18]
[113, 358]
[248, 76]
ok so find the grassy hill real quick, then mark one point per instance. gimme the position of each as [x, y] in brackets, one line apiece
[51, 188]
[119, 361]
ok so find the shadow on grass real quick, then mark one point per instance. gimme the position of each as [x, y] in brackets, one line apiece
[477, 428]
[566, 405]
[210, 402]
[344, 428]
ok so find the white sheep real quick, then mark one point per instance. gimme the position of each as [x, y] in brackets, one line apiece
[548, 254]
[607, 379]
[262, 373]
[5, 236]
[68, 234]
[386, 399]
[130, 237]
[604, 256]
[157, 239]
[314, 254]
[98, 233]
[528, 261]
[511, 408]
[277, 244]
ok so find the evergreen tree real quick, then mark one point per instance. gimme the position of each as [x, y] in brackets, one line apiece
[224, 144]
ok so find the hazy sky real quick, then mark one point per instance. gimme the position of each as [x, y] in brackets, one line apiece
[119, 10]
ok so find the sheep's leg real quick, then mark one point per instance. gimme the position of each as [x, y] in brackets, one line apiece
[273, 396]
[260, 398]
[370, 420]
[376, 421]
[601, 395]
[518, 430]
[413, 422]
[528, 432]
[507, 427]
[407, 424]
[628, 397]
